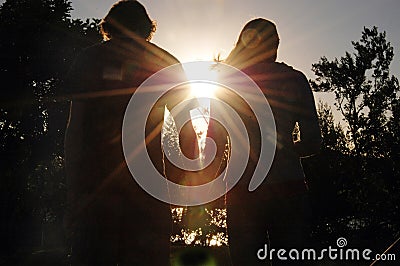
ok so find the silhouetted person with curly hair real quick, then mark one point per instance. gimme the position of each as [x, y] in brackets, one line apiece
[110, 219]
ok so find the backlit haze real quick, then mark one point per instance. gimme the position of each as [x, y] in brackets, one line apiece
[203, 29]
[309, 29]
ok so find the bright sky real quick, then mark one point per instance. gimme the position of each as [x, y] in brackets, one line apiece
[309, 29]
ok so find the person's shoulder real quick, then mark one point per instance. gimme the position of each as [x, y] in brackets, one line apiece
[282, 66]
[289, 70]
[89, 53]
[162, 50]
[95, 49]
[161, 54]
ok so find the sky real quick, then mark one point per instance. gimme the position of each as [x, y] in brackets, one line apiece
[308, 29]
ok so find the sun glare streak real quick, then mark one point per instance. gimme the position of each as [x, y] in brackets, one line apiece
[203, 84]
[202, 78]
[200, 120]
[203, 89]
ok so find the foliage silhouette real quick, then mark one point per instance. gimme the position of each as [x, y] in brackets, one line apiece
[359, 164]
[354, 181]
[39, 43]
[364, 91]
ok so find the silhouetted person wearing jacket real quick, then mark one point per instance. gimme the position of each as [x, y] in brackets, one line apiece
[110, 219]
[277, 212]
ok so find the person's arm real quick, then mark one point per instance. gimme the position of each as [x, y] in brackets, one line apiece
[176, 100]
[71, 87]
[171, 99]
[73, 140]
[307, 118]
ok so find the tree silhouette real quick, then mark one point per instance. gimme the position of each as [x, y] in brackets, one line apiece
[360, 163]
[364, 90]
[356, 173]
[333, 136]
[39, 42]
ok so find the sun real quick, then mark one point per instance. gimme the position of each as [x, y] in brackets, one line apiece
[202, 77]
[203, 90]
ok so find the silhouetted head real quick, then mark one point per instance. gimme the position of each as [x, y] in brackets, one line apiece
[258, 41]
[127, 18]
